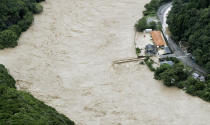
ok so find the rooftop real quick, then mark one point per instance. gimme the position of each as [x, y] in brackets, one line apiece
[158, 38]
[167, 62]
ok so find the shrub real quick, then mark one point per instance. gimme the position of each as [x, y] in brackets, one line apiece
[38, 8]
[206, 94]
[153, 25]
[21, 108]
[5, 78]
[149, 62]
[8, 38]
[142, 63]
[174, 75]
[180, 84]
[174, 59]
[138, 51]
[193, 86]
[153, 6]
[141, 25]
[16, 29]
[151, 10]
[160, 70]
[26, 22]
[39, 0]
[17, 16]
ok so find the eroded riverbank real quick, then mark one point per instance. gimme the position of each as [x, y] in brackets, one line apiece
[65, 59]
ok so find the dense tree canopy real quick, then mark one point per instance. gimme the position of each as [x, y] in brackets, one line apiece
[151, 10]
[15, 17]
[8, 38]
[5, 78]
[177, 75]
[171, 75]
[153, 6]
[189, 22]
[21, 108]
[18, 107]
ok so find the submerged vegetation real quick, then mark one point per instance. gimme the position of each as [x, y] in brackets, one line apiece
[16, 16]
[179, 76]
[21, 108]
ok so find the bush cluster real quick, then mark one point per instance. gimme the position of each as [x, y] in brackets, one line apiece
[149, 62]
[178, 76]
[141, 25]
[21, 108]
[16, 16]
[5, 78]
[152, 7]
[138, 51]
[171, 74]
[151, 10]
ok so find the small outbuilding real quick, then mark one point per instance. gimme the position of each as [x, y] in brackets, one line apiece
[150, 49]
[171, 63]
[148, 30]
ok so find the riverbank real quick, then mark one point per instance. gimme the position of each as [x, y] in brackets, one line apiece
[65, 59]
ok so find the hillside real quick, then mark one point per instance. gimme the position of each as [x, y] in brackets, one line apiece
[189, 22]
[18, 107]
[16, 16]
[21, 108]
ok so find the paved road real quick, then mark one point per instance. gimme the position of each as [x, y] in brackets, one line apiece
[162, 14]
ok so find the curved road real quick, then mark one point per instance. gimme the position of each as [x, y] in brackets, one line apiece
[178, 52]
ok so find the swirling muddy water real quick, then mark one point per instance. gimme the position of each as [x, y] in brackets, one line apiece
[65, 59]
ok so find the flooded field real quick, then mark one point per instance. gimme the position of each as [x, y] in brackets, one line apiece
[65, 59]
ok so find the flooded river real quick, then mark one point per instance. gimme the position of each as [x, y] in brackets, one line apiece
[65, 59]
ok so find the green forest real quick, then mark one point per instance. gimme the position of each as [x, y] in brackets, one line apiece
[21, 108]
[189, 22]
[16, 16]
[180, 76]
[152, 7]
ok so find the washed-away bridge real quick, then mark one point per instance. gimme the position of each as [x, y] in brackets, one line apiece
[127, 60]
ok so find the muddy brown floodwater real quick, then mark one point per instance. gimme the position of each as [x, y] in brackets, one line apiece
[65, 59]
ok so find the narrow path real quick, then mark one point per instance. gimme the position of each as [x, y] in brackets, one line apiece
[65, 59]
